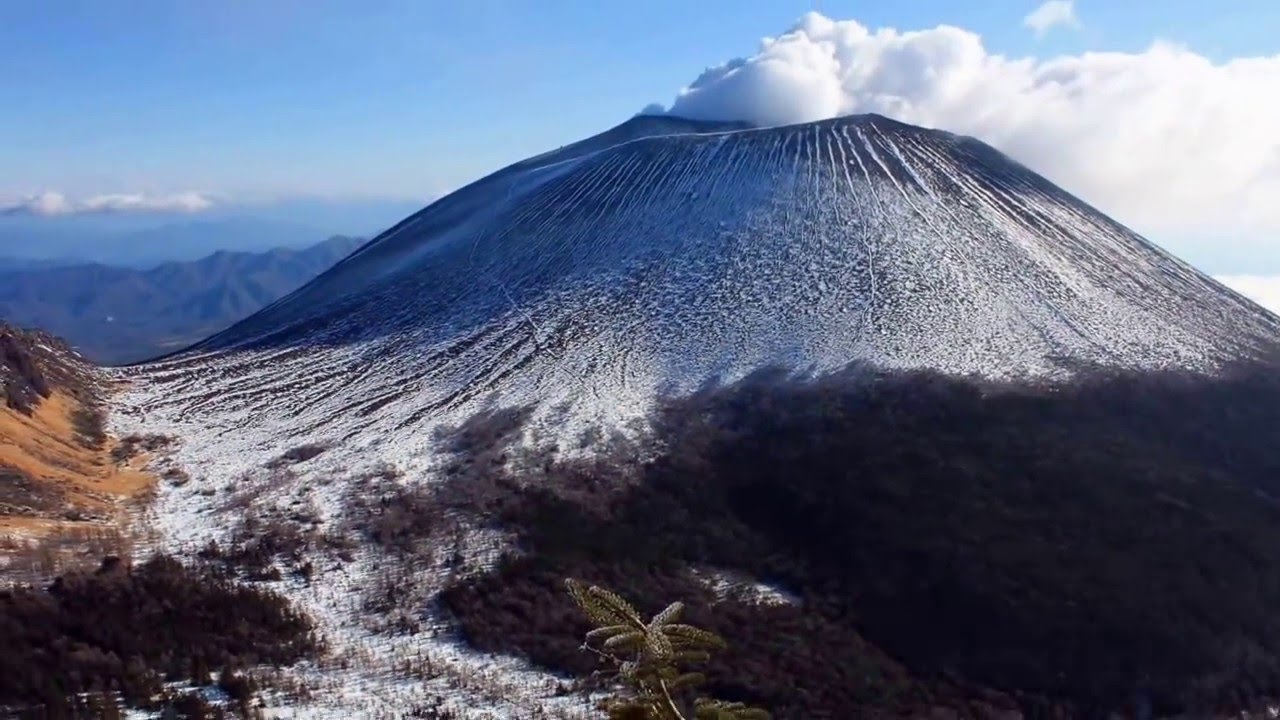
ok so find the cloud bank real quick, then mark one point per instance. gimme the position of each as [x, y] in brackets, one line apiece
[1165, 140]
[1262, 289]
[1052, 14]
[51, 204]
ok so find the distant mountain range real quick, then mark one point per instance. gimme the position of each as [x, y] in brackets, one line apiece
[124, 243]
[22, 263]
[146, 239]
[118, 315]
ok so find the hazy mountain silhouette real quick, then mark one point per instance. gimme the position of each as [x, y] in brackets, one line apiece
[142, 242]
[21, 263]
[118, 314]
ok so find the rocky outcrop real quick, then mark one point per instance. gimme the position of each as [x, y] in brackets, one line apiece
[33, 364]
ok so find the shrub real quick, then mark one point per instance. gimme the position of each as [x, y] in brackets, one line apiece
[256, 545]
[299, 454]
[89, 423]
[129, 629]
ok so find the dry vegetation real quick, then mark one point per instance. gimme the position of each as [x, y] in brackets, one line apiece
[68, 493]
[56, 471]
[59, 472]
[269, 542]
[46, 551]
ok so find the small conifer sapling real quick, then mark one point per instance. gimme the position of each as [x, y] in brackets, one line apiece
[651, 658]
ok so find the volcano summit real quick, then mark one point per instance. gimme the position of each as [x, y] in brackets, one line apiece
[666, 253]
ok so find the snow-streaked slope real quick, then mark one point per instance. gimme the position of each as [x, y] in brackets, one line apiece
[602, 273]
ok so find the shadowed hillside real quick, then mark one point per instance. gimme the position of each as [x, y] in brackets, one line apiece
[972, 544]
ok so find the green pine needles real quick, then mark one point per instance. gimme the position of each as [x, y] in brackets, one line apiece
[650, 657]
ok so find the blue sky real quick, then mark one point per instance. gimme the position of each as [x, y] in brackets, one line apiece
[404, 99]
[1161, 113]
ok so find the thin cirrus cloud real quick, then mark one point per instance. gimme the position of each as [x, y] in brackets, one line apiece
[1052, 14]
[1165, 140]
[53, 204]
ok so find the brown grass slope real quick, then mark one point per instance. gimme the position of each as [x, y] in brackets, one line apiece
[57, 466]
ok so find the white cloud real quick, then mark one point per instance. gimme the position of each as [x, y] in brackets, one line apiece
[1262, 289]
[1164, 140]
[50, 204]
[1052, 14]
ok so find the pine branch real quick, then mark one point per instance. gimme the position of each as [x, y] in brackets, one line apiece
[649, 658]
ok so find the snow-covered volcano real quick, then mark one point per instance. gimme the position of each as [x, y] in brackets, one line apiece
[665, 253]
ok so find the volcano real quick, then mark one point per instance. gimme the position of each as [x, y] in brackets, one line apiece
[667, 253]
[969, 447]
